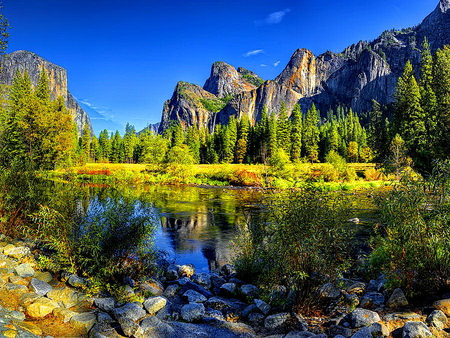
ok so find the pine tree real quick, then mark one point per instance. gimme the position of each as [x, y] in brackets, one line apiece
[296, 133]
[311, 134]
[229, 140]
[284, 129]
[105, 145]
[241, 144]
[85, 142]
[272, 139]
[130, 141]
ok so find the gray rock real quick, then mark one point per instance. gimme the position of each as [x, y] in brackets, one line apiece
[363, 333]
[397, 299]
[250, 309]
[227, 269]
[416, 330]
[249, 290]
[192, 296]
[276, 320]
[378, 330]
[171, 290]
[217, 281]
[76, 281]
[351, 299]
[24, 270]
[193, 312]
[228, 290]
[103, 330]
[300, 334]
[172, 273]
[103, 317]
[362, 317]
[203, 279]
[358, 288]
[40, 287]
[192, 286]
[376, 297]
[216, 314]
[401, 316]
[154, 304]
[105, 304]
[131, 311]
[329, 292]
[263, 306]
[17, 252]
[130, 328]
[218, 303]
[336, 330]
[85, 321]
[437, 319]
[255, 318]
[153, 286]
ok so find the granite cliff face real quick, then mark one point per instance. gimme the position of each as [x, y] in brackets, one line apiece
[361, 73]
[32, 63]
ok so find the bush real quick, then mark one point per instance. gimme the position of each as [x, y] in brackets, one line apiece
[303, 243]
[412, 246]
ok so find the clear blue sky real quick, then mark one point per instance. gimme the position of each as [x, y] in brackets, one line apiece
[124, 57]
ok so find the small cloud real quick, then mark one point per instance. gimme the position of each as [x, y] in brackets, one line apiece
[263, 65]
[104, 113]
[273, 18]
[275, 64]
[253, 52]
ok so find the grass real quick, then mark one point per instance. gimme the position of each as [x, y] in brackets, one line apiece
[257, 175]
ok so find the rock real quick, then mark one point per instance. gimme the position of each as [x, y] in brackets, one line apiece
[16, 252]
[106, 304]
[41, 307]
[130, 328]
[16, 288]
[363, 333]
[358, 288]
[103, 330]
[299, 334]
[76, 282]
[250, 309]
[203, 279]
[397, 299]
[276, 320]
[401, 316]
[131, 311]
[153, 286]
[255, 318]
[443, 305]
[216, 314]
[336, 331]
[437, 319]
[353, 220]
[30, 328]
[352, 300]
[362, 317]
[66, 297]
[40, 287]
[65, 315]
[103, 317]
[329, 292]
[263, 306]
[24, 270]
[249, 290]
[228, 290]
[192, 286]
[18, 280]
[154, 304]
[172, 273]
[193, 312]
[378, 330]
[192, 296]
[44, 276]
[416, 330]
[376, 285]
[227, 269]
[217, 281]
[154, 328]
[28, 298]
[186, 270]
[376, 297]
[171, 290]
[218, 303]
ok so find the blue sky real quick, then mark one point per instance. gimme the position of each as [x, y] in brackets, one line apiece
[124, 57]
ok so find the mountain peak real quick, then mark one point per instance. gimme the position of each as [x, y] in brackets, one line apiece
[444, 5]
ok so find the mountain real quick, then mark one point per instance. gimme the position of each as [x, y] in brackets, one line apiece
[362, 72]
[23, 60]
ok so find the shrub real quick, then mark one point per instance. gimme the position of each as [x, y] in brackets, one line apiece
[245, 178]
[302, 243]
[373, 174]
[411, 247]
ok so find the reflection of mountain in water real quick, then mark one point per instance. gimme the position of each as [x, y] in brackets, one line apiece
[206, 230]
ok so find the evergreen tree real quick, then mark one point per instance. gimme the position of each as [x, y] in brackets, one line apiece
[229, 140]
[153, 147]
[272, 139]
[296, 133]
[104, 145]
[117, 148]
[241, 144]
[311, 135]
[284, 129]
[85, 143]
[193, 142]
[130, 141]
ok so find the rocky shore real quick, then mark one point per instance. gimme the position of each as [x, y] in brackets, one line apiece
[184, 304]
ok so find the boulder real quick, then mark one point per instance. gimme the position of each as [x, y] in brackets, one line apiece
[192, 312]
[40, 287]
[276, 320]
[203, 279]
[64, 315]
[397, 299]
[249, 290]
[172, 273]
[24, 270]
[255, 318]
[186, 270]
[44, 276]
[41, 307]
[65, 296]
[154, 304]
[106, 304]
[363, 333]
[437, 319]
[329, 292]
[300, 334]
[76, 282]
[262, 306]
[358, 288]
[171, 290]
[443, 305]
[192, 296]
[192, 286]
[131, 311]
[130, 328]
[376, 298]
[227, 269]
[363, 317]
[379, 330]
[153, 287]
[228, 290]
[16, 252]
[416, 330]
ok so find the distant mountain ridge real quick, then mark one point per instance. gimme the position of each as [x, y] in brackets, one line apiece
[362, 72]
[24, 60]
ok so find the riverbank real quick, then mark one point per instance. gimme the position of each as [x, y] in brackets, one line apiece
[181, 303]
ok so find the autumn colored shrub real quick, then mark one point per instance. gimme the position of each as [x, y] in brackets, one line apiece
[244, 178]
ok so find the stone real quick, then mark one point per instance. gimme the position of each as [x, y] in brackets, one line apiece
[337, 330]
[41, 307]
[66, 297]
[18, 280]
[357, 288]
[130, 328]
[217, 281]
[255, 318]
[227, 269]
[103, 330]
[218, 303]
[65, 315]
[379, 330]
[84, 321]
[192, 286]
[17, 315]
[29, 297]
[103, 317]
[363, 317]
[106, 304]
[16, 252]
[443, 305]
[16, 288]
[351, 299]
[172, 273]
[329, 292]
[262, 306]
[149, 323]
[153, 287]
[154, 304]
[300, 334]
[249, 290]
[216, 314]
[437, 319]
[416, 330]
[171, 290]
[363, 333]
[192, 312]
[24, 270]
[276, 320]
[131, 311]
[76, 282]
[40, 287]
[192, 296]
[44, 276]
[203, 279]
[250, 309]
[401, 316]
[228, 290]
[376, 297]
[30, 327]
[153, 327]
[186, 270]
[397, 299]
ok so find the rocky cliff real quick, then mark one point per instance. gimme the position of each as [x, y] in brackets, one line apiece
[361, 73]
[32, 63]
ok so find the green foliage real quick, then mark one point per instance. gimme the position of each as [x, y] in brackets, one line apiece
[254, 80]
[302, 243]
[411, 247]
[311, 134]
[4, 35]
[214, 104]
